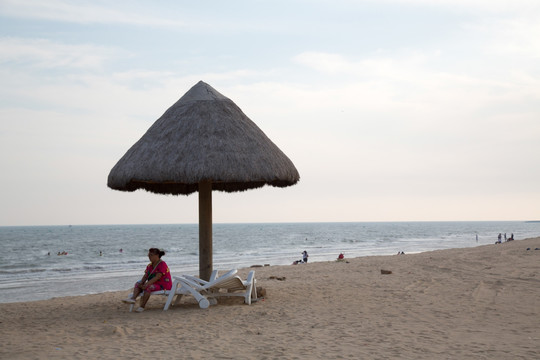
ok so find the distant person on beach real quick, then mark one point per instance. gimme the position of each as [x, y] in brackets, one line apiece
[476, 237]
[156, 277]
[499, 239]
[341, 256]
[305, 256]
[511, 238]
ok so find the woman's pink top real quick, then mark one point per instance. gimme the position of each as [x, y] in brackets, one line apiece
[165, 281]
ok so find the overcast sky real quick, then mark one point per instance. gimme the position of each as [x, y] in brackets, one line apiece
[391, 110]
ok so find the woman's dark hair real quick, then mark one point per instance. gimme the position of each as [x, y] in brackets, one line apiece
[156, 251]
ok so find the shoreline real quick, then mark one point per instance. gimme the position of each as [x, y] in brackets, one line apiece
[108, 282]
[468, 303]
[29, 269]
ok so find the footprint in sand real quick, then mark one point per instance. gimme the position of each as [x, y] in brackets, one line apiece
[484, 292]
[122, 331]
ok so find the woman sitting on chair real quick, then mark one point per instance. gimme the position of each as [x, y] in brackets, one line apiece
[156, 277]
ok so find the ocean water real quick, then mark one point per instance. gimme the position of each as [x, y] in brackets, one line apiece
[112, 257]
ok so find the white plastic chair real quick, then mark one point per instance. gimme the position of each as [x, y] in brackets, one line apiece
[159, 292]
[205, 292]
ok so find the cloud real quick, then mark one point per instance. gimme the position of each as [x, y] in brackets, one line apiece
[82, 12]
[515, 37]
[489, 6]
[325, 62]
[425, 120]
[44, 53]
[378, 64]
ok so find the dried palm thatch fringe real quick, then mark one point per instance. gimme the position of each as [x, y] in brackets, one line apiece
[204, 136]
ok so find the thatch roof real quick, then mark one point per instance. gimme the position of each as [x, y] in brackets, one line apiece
[204, 136]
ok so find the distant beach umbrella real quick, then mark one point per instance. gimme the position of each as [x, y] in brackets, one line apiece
[203, 142]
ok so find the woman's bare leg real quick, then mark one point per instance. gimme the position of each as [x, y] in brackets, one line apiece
[136, 291]
[144, 299]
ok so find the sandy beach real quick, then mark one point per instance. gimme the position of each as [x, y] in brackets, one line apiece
[475, 303]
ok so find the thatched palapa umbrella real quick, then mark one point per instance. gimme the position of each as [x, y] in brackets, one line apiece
[203, 142]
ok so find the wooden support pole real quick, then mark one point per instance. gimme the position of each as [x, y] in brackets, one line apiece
[205, 230]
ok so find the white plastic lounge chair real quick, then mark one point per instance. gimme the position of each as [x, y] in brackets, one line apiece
[238, 287]
[159, 292]
[180, 287]
[178, 291]
[233, 286]
[226, 285]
